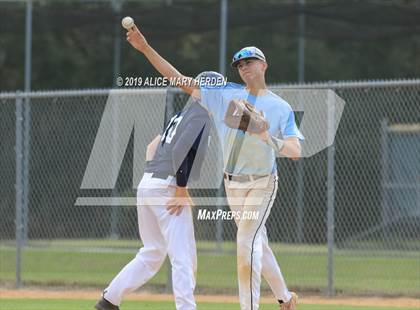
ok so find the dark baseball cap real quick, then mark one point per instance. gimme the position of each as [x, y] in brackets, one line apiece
[247, 52]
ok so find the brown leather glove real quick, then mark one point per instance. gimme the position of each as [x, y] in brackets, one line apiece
[243, 115]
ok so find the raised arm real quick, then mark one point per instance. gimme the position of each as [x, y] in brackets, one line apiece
[139, 42]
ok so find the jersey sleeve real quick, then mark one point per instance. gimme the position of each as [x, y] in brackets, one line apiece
[288, 126]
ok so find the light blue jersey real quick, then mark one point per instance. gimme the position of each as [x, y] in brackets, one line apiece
[255, 157]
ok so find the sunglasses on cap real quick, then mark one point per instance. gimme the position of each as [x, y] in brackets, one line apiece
[247, 52]
[242, 54]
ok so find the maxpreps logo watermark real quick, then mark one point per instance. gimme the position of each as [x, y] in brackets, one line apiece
[165, 82]
[214, 215]
[133, 117]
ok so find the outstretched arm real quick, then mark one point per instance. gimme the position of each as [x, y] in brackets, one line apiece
[139, 42]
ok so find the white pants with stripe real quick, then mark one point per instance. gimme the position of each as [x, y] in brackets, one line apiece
[254, 255]
[162, 234]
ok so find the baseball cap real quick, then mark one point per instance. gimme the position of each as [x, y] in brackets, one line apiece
[247, 52]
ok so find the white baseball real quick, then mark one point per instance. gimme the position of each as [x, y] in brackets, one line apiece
[127, 22]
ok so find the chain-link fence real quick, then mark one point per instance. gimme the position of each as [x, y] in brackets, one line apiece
[345, 220]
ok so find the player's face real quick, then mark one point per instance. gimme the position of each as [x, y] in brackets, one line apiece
[251, 69]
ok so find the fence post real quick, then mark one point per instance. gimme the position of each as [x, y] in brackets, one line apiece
[115, 209]
[223, 35]
[300, 189]
[222, 68]
[385, 178]
[26, 163]
[330, 193]
[27, 116]
[19, 187]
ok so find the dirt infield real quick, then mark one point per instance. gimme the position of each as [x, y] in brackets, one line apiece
[143, 296]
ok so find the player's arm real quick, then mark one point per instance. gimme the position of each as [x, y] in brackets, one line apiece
[289, 147]
[152, 147]
[181, 199]
[182, 196]
[139, 42]
[184, 152]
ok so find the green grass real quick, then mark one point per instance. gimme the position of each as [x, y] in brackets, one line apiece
[209, 245]
[305, 267]
[63, 304]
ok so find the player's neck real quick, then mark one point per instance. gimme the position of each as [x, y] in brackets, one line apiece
[257, 88]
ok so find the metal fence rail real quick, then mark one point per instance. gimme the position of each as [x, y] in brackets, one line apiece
[345, 220]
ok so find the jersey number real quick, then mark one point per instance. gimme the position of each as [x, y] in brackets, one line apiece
[170, 130]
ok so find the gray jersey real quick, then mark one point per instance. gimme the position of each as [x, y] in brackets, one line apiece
[183, 145]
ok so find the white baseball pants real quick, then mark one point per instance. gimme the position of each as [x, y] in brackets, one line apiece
[254, 255]
[161, 234]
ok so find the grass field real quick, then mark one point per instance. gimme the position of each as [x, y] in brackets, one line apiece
[62, 304]
[90, 263]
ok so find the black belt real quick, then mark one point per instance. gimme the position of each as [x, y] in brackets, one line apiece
[161, 175]
[244, 177]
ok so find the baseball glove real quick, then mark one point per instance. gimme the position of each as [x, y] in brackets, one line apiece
[243, 115]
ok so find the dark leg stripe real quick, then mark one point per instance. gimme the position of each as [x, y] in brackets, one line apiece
[253, 240]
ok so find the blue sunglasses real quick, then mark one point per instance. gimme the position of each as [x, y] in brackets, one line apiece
[242, 54]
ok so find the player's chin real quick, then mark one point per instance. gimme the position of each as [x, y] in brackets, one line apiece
[247, 77]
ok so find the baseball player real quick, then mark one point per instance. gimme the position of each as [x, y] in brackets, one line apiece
[250, 166]
[163, 208]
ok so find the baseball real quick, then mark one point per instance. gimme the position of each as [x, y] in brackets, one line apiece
[127, 22]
